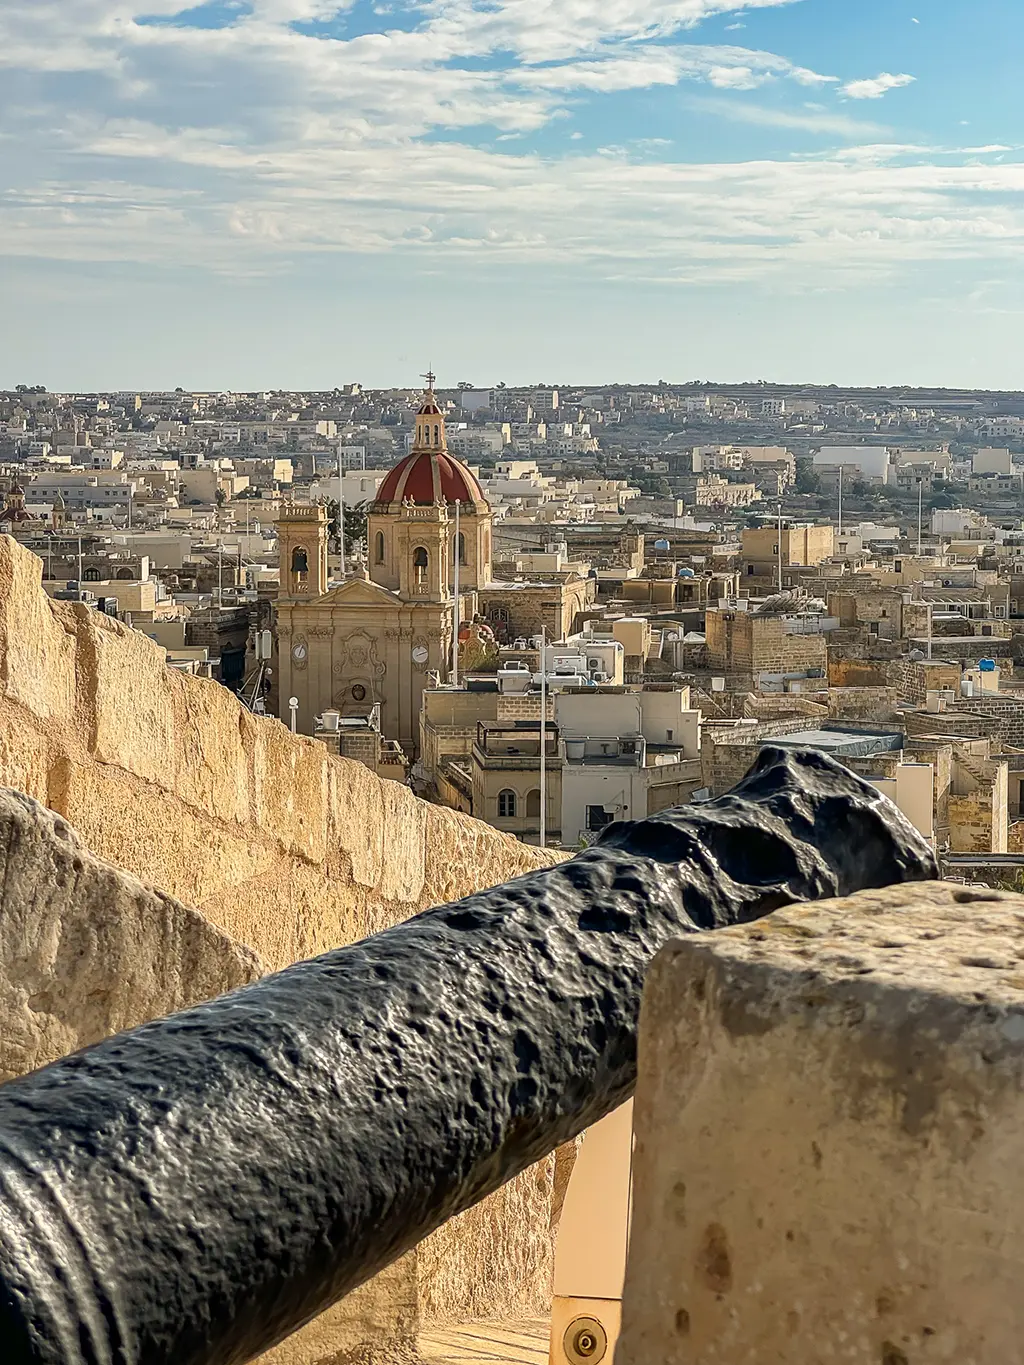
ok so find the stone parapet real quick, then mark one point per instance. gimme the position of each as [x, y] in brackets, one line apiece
[287, 848]
[828, 1151]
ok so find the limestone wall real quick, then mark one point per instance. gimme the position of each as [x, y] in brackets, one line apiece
[829, 1125]
[285, 847]
[86, 950]
[286, 851]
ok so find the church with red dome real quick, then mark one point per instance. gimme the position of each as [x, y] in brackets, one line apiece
[377, 639]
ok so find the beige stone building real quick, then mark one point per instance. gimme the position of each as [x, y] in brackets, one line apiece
[507, 781]
[742, 645]
[800, 546]
[380, 639]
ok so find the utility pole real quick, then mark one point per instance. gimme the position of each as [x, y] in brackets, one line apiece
[543, 740]
[840, 501]
[79, 562]
[341, 511]
[780, 547]
[220, 574]
[920, 507]
[456, 618]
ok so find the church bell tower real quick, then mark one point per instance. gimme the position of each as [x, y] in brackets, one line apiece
[302, 550]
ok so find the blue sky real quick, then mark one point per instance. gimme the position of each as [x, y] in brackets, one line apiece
[301, 192]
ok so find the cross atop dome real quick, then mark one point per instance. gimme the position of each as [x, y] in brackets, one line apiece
[430, 408]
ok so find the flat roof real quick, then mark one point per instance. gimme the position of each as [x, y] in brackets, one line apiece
[840, 743]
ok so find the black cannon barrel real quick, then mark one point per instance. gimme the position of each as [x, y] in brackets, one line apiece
[191, 1192]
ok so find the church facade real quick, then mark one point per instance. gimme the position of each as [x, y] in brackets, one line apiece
[381, 638]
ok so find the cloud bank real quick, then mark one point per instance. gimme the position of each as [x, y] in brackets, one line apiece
[239, 135]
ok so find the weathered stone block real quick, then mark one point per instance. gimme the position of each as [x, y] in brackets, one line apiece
[150, 832]
[290, 797]
[830, 1133]
[213, 768]
[86, 950]
[126, 677]
[30, 628]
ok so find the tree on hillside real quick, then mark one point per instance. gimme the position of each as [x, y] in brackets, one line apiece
[808, 480]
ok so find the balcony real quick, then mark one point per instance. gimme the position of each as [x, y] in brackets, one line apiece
[515, 748]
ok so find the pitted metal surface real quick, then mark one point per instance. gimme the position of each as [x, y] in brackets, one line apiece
[192, 1192]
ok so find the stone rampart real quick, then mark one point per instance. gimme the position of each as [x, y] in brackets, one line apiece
[828, 1137]
[285, 850]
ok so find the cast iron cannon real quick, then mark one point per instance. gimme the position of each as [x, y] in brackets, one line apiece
[193, 1191]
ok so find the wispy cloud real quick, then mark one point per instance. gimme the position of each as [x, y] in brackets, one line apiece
[637, 67]
[822, 122]
[875, 87]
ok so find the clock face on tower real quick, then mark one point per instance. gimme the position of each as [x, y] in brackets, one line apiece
[420, 654]
[298, 653]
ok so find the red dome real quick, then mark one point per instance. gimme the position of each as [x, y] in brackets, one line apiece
[429, 476]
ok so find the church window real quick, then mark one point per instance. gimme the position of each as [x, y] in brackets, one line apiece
[420, 561]
[437, 434]
[379, 548]
[506, 805]
[461, 545]
[300, 560]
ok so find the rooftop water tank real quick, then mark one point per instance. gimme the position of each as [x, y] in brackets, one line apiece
[987, 665]
[687, 573]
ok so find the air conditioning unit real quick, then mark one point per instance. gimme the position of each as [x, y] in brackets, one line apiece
[602, 677]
